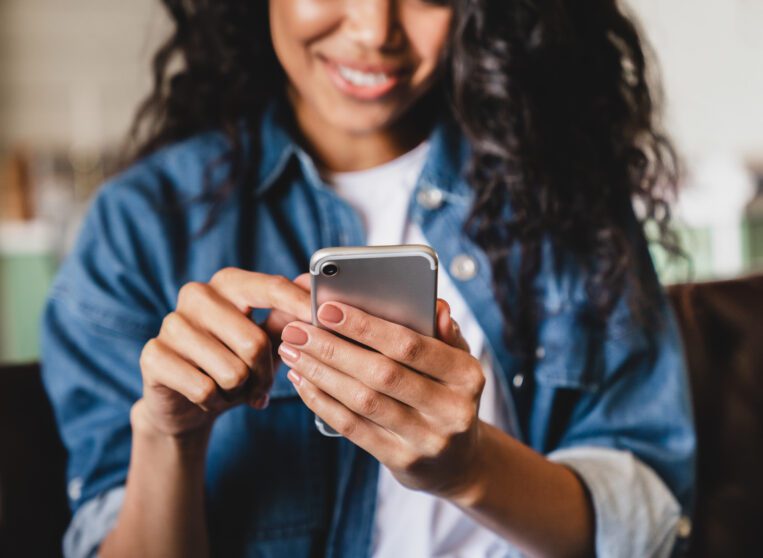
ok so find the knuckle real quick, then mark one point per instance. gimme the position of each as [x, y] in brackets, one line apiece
[278, 282]
[388, 376]
[192, 292]
[327, 352]
[150, 353]
[409, 348]
[480, 382]
[311, 398]
[361, 326]
[251, 346]
[248, 349]
[367, 402]
[346, 426]
[436, 446]
[462, 420]
[476, 381]
[315, 372]
[172, 325]
[223, 275]
[237, 374]
[276, 288]
[204, 392]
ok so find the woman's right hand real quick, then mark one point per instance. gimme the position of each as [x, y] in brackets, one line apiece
[209, 356]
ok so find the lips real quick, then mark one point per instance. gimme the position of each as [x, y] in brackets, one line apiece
[364, 81]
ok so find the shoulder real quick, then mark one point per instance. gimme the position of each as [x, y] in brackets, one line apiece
[135, 231]
[175, 172]
[159, 194]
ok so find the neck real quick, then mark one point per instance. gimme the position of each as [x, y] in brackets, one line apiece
[335, 150]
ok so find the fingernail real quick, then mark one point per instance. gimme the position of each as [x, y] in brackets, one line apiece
[328, 313]
[447, 306]
[263, 402]
[288, 353]
[294, 335]
[295, 378]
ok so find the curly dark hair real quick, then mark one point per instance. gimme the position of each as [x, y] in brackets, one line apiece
[552, 94]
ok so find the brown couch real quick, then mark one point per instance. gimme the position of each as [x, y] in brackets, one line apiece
[33, 507]
[722, 327]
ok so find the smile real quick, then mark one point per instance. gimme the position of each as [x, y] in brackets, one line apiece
[363, 83]
[363, 79]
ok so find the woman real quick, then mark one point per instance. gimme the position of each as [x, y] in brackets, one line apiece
[519, 132]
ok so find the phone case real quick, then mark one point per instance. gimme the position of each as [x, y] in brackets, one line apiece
[396, 283]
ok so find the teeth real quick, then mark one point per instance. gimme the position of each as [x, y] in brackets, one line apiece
[362, 79]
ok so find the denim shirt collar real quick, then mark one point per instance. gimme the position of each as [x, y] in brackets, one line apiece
[276, 148]
[448, 154]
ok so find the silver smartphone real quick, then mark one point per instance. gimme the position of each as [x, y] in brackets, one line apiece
[397, 283]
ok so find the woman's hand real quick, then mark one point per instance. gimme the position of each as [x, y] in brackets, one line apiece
[408, 399]
[209, 356]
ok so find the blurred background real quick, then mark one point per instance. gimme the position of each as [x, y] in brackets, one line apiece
[73, 71]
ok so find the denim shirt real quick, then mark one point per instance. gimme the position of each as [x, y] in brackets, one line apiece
[275, 486]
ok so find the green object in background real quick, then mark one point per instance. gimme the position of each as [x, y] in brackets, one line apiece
[753, 231]
[697, 243]
[24, 282]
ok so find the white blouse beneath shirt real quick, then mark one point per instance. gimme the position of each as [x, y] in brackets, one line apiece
[410, 523]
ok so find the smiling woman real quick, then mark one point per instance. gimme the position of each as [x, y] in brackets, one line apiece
[356, 85]
[394, 66]
[511, 137]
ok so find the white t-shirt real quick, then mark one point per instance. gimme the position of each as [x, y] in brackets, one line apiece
[410, 523]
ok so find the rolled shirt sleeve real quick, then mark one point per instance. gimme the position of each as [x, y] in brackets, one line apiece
[635, 512]
[611, 401]
[91, 523]
[104, 305]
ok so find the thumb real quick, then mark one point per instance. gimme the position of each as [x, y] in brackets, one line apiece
[447, 328]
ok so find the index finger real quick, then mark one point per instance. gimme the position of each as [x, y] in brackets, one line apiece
[251, 289]
[399, 343]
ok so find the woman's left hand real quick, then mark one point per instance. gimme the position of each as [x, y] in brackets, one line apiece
[410, 400]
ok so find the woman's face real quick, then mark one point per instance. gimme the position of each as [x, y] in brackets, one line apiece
[358, 65]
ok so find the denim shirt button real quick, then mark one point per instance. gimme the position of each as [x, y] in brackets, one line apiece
[430, 198]
[518, 380]
[75, 488]
[540, 353]
[463, 267]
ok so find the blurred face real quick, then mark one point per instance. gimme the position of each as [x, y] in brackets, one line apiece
[358, 65]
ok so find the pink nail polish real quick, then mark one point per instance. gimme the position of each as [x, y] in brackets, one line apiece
[295, 378]
[288, 353]
[294, 335]
[328, 313]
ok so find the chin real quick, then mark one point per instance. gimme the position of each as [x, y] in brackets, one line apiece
[358, 119]
[356, 123]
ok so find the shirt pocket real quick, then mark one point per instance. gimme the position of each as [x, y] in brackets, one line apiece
[569, 351]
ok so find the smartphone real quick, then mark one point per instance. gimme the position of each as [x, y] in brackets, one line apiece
[397, 283]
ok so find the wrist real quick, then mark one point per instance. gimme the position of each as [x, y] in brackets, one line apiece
[188, 445]
[474, 485]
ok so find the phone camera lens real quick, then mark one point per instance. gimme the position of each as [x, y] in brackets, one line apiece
[330, 269]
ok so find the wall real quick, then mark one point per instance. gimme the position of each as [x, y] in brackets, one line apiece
[72, 71]
[711, 53]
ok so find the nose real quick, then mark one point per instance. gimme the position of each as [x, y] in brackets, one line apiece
[373, 24]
